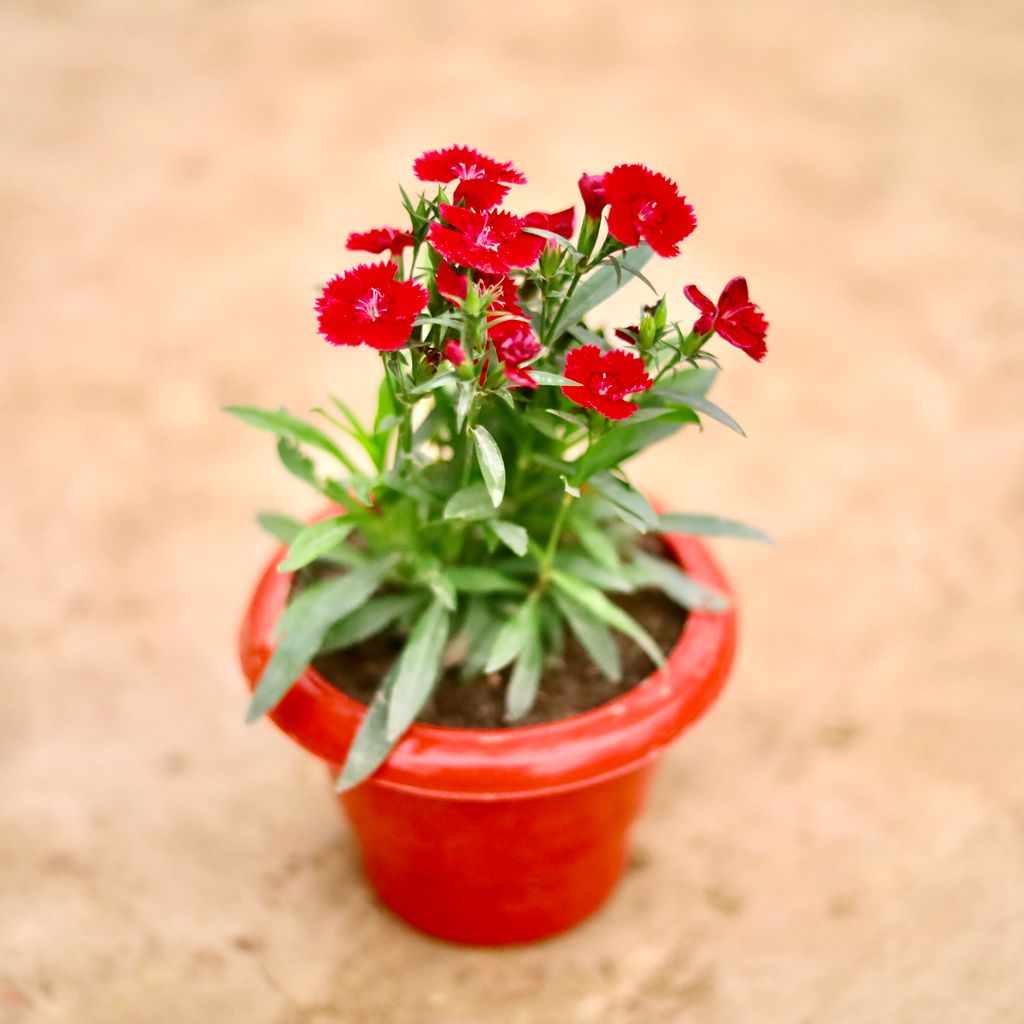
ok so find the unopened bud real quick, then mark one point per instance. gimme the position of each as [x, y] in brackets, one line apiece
[647, 333]
[454, 353]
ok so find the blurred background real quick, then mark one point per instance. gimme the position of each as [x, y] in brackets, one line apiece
[843, 839]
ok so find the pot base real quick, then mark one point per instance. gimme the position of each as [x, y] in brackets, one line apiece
[495, 873]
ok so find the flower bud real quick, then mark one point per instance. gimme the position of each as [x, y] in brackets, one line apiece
[454, 353]
[592, 191]
[660, 313]
[647, 333]
[550, 258]
[473, 304]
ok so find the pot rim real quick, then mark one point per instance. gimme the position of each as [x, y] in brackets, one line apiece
[520, 761]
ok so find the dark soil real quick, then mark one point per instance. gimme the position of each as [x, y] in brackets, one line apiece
[567, 688]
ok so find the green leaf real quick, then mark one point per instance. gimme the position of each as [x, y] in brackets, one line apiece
[371, 745]
[593, 635]
[514, 537]
[619, 444]
[418, 668]
[618, 265]
[626, 502]
[587, 336]
[479, 579]
[492, 465]
[558, 239]
[542, 377]
[694, 380]
[437, 381]
[285, 425]
[315, 541]
[674, 583]
[595, 541]
[525, 678]
[467, 391]
[512, 636]
[710, 526]
[304, 625]
[601, 284]
[701, 404]
[577, 564]
[479, 629]
[282, 528]
[472, 502]
[368, 620]
[611, 614]
[540, 420]
[296, 463]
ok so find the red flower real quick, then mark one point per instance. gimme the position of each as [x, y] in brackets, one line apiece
[648, 206]
[515, 344]
[377, 240]
[561, 223]
[604, 380]
[492, 241]
[592, 189]
[368, 305]
[483, 182]
[453, 286]
[735, 318]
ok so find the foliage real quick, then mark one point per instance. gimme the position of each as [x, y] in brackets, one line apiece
[485, 510]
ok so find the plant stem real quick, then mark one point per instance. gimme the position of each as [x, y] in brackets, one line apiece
[548, 558]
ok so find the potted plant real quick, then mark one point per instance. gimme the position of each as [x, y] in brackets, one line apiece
[488, 633]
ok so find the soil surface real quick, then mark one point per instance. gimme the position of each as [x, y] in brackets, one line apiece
[841, 840]
[567, 687]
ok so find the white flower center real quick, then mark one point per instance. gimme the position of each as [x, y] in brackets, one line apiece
[371, 305]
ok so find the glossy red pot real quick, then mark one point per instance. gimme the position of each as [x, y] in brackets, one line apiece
[506, 835]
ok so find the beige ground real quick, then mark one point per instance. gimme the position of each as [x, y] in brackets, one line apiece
[843, 841]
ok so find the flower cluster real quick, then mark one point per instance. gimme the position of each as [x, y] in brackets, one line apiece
[475, 243]
[489, 493]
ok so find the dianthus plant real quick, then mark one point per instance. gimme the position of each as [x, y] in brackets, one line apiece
[485, 509]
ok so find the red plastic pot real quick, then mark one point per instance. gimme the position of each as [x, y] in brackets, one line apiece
[507, 835]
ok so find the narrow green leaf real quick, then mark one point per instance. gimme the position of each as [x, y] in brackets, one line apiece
[576, 563]
[280, 527]
[304, 624]
[542, 377]
[316, 540]
[620, 443]
[285, 425]
[675, 583]
[595, 540]
[478, 632]
[710, 526]
[467, 390]
[558, 239]
[479, 579]
[597, 604]
[514, 537]
[587, 336]
[593, 635]
[512, 636]
[472, 502]
[418, 668]
[626, 502]
[492, 465]
[296, 463]
[370, 619]
[525, 678]
[694, 380]
[437, 381]
[371, 745]
[601, 284]
[701, 404]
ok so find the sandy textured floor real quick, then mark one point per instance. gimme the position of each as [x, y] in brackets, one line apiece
[843, 840]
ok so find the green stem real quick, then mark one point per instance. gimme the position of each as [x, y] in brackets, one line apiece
[548, 558]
